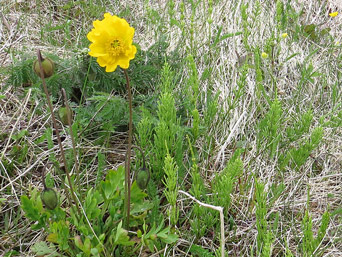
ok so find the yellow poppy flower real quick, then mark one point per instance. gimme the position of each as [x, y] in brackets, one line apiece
[333, 14]
[264, 55]
[284, 35]
[112, 40]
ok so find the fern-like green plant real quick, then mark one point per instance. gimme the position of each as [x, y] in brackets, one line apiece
[168, 137]
[246, 26]
[310, 243]
[299, 128]
[171, 190]
[269, 128]
[263, 238]
[281, 16]
[198, 191]
[224, 183]
[21, 73]
[299, 156]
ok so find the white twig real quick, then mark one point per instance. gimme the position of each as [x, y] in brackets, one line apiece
[217, 208]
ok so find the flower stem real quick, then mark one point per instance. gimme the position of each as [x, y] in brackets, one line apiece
[69, 115]
[142, 154]
[57, 132]
[128, 154]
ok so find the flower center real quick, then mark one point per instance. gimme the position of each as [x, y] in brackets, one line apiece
[115, 47]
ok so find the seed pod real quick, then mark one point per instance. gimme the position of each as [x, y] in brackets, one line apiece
[63, 114]
[143, 177]
[49, 198]
[48, 67]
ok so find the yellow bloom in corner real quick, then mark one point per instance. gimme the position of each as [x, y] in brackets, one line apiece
[333, 14]
[112, 42]
[284, 35]
[264, 55]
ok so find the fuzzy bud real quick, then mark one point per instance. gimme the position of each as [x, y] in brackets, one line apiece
[48, 67]
[63, 114]
[143, 177]
[49, 198]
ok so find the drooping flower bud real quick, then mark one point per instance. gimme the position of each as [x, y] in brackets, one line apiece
[143, 177]
[63, 114]
[48, 67]
[49, 198]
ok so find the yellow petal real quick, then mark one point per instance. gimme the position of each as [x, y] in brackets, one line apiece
[102, 61]
[264, 55]
[105, 32]
[97, 50]
[128, 37]
[333, 14]
[131, 52]
[123, 62]
[111, 68]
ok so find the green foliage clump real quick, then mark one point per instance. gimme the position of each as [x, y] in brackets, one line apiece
[199, 215]
[309, 242]
[197, 250]
[281, 15]
[168, 137]
[269, 128]
[171, 188]
[299, 128]
[99, 229]
[264, 237]
[107, 113]
[21, 73]
[224, 183]
[298, 156]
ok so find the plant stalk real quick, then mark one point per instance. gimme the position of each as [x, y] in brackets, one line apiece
[57, 132]
[142, 154]
[128, 154]
[72, 137]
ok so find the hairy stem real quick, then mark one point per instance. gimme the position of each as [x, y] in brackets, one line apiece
[57, 131]
[128, 154]
[69, 113]
[142, 154]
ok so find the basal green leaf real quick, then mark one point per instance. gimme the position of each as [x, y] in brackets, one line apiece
[136, 194]
[121, 237]
[42, 249]
[31, 211]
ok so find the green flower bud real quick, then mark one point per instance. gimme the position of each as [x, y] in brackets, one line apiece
[48, 67]
[143, 177]
[49, 198]
[63, 114]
